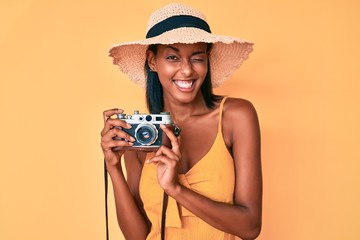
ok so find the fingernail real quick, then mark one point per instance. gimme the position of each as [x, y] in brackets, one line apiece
[132, 139]
[131, 143]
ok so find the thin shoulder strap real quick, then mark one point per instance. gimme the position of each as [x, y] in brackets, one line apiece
[221, 112]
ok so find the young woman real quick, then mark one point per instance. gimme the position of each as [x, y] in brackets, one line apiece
[212, 172]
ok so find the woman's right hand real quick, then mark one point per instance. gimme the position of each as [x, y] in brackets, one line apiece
[109, 133]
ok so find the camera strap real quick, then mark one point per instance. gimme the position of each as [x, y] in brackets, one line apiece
[106, 201]
[163, 215]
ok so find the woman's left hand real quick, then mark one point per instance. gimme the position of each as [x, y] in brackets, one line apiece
[167, 161]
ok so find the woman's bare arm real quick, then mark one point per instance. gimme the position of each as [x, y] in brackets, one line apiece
[241, 133]
[130, 217]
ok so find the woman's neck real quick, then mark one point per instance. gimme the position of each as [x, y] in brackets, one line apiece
[181, 111]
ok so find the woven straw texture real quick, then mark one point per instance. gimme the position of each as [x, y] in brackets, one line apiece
[227, 53]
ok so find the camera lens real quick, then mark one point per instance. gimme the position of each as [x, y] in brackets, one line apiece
[146, 134]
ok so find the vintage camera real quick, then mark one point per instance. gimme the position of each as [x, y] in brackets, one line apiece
[145, 128]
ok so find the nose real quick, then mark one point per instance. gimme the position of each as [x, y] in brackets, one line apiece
[186, 68]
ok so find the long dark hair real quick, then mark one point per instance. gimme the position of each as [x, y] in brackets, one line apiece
[154, 90]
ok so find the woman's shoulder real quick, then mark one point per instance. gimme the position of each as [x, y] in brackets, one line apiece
[237, 108]
[239, 114]
[239, 118]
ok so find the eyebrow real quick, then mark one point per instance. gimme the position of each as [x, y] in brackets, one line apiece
[194, 53]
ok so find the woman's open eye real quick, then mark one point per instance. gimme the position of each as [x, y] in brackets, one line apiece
[172, 57]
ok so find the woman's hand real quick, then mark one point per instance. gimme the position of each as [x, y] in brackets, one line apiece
[167, 161]
[110, 137]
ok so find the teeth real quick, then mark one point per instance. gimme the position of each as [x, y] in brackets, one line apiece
[184, 84]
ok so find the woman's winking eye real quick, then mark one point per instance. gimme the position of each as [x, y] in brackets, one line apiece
[198, 59]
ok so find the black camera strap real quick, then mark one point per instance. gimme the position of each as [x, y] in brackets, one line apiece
[163, 215]
[106, 201]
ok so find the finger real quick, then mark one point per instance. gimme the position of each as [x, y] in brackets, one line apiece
[169, 153]
[110, 145]
[173, 139]
[114, 123]
[115, 146]
[108, 113]
[116, 133]
[168, 162]
[111, 140]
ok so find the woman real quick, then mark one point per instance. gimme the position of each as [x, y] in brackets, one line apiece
[212, 172]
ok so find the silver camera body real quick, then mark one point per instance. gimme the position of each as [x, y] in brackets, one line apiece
[145, 128]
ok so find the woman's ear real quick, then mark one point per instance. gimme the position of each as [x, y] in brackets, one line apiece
[150, 57]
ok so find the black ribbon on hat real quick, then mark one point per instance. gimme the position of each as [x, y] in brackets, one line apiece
[177, 22]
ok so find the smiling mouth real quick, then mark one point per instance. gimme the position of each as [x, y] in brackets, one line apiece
[184, 84]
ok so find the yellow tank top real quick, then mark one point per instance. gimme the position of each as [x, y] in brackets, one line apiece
[212, 176]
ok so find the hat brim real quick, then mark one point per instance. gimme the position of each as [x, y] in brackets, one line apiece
[226, 55]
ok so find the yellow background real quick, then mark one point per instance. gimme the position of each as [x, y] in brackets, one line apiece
[56, 79]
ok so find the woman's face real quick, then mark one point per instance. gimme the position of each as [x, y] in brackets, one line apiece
[181, 69]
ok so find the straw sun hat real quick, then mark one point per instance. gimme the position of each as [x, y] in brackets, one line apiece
[178, 23]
